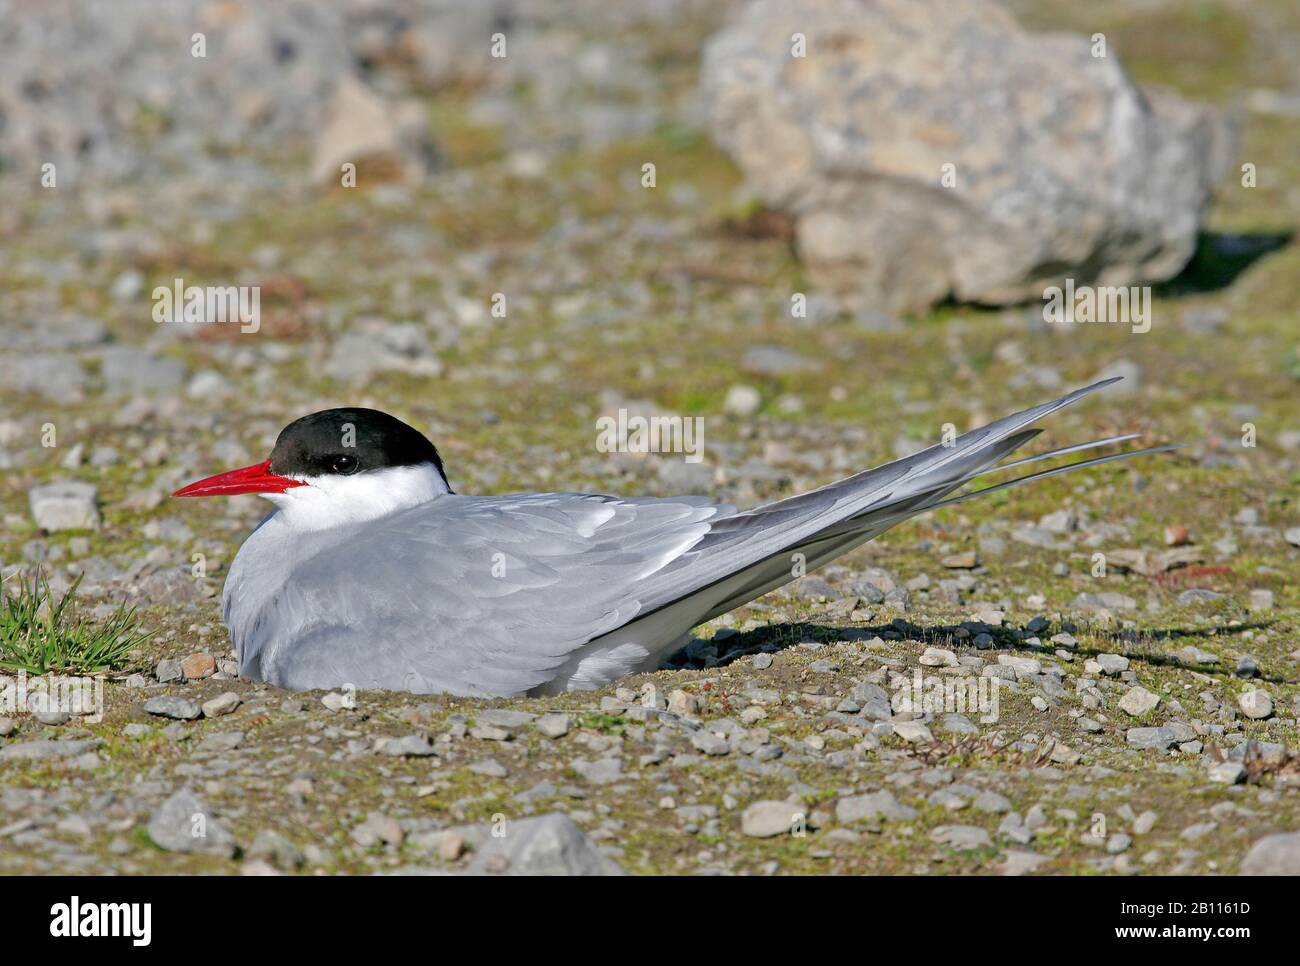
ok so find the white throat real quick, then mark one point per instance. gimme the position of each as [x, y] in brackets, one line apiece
[332, 501]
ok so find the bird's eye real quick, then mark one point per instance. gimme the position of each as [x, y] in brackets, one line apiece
[343, 464]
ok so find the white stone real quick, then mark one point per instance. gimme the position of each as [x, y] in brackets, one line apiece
[1138, 701]
[1021, 665]
[64, 505]
[221, 704]
[765, 819]
[742, 400]
[1255, 704]
[939, 657]
[914, 732]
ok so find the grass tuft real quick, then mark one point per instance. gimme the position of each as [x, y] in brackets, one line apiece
[40, 633]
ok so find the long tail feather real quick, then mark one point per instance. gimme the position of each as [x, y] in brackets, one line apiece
[1038, 458]
[1043, 474]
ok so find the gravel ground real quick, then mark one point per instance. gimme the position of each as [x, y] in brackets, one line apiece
[1147, 716]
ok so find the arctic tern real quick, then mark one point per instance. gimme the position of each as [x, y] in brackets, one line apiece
[371, 572]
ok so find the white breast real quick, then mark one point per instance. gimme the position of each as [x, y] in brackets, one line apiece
[258, 573]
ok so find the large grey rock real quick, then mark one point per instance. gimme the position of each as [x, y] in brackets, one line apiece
[184, 823]
[64, 505]
[1273, 855]
[1063, 168]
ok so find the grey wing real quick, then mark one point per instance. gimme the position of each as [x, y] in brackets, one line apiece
[473, 595]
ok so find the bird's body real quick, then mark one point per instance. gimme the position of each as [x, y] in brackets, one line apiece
[384, 578]
[462, 594]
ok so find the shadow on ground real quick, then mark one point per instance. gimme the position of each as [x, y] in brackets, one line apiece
[1219, 259]
[773, 638]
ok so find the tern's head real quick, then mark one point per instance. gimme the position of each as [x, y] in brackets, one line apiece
[338, 466]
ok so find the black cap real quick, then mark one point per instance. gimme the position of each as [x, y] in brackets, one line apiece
[341, 442]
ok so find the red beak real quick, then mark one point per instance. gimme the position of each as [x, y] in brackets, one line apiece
[249, 479]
